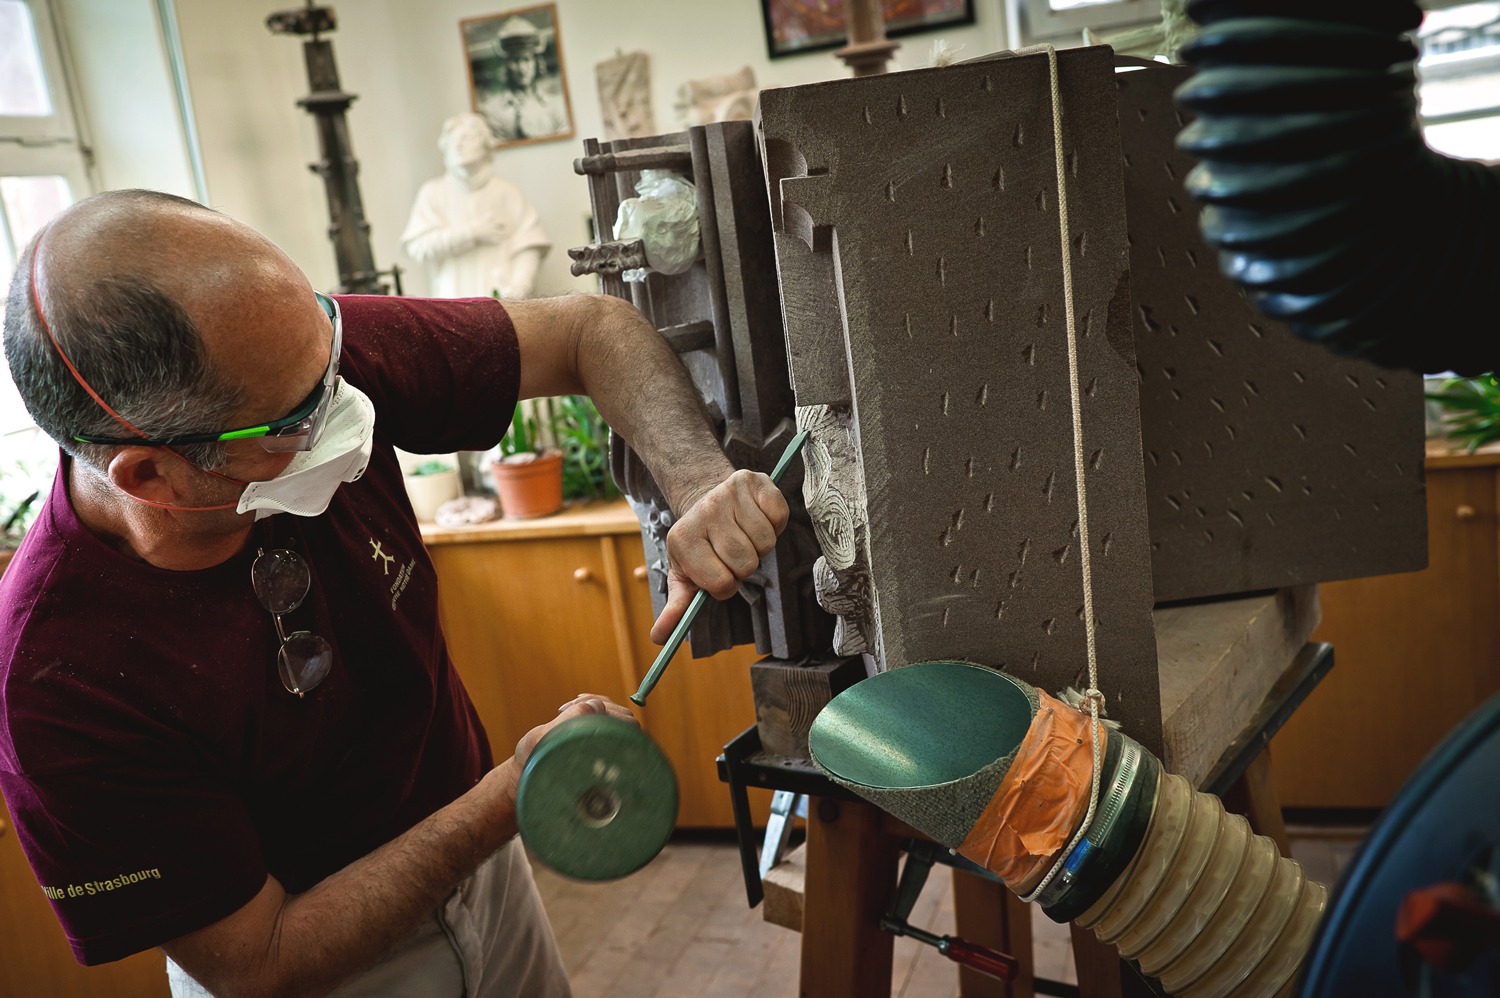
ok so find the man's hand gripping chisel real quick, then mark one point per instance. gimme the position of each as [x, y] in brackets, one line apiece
[680, 632]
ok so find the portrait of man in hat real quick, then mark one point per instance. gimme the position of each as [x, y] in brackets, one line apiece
[516, 75]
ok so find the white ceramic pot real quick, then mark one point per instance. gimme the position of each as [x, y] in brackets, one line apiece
[428, 492]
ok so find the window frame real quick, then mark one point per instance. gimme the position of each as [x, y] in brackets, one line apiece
[1036, 20]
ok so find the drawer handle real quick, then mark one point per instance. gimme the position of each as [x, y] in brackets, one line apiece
[639, 572]
[582, 574]
[1464, 512]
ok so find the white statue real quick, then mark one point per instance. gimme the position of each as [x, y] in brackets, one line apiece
[472, 227]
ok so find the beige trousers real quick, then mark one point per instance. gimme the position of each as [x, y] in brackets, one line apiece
[490, 939]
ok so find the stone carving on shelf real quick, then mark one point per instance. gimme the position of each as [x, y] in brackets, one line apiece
[625, 96]
[718, 98]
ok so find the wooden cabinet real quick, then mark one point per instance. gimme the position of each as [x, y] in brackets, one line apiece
[538, 611]
[36, 959]
[1414, 653]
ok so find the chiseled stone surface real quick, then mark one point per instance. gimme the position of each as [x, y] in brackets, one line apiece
[1270, 462]
[931, 197]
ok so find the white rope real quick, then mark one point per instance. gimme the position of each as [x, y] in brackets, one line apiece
[1094, 696]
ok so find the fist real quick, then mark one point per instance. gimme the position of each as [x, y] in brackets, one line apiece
[579, 706]
[719, 542]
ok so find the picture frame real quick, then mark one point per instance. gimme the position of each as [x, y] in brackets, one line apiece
[794, 27]
[517, 81]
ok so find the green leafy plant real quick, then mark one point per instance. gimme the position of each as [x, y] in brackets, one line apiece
[1471, 409]
[14, 521]
[583, 436]
[521, 438]
[433, 467]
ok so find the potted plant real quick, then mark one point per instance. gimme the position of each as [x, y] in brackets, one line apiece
[528, 476]
[583, 437]
[1469, 410]
[13, 523]
[430, 484]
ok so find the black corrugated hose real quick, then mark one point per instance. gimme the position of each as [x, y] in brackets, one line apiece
[1320, 193]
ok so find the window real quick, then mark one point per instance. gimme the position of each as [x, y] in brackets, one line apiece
[1459, 69]
[1035, 20]
[42, 171]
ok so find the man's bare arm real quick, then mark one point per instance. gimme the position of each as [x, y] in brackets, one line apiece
[307, 944]
[603, 347]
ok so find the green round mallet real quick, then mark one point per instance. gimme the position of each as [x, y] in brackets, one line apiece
[597, 799]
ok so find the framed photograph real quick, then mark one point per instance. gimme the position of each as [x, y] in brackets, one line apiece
[516, 78]
[797, 26]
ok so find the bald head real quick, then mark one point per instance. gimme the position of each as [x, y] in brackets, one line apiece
[157, 301]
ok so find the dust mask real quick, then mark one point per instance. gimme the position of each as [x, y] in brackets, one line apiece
[307, 485]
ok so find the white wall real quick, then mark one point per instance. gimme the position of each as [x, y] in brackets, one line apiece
[406, 62]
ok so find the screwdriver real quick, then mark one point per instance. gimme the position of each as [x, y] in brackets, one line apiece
[680, 632]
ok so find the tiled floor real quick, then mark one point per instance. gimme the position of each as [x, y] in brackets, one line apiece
[680, 928]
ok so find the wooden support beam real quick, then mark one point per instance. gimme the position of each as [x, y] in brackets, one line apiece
[986, 913]
[1254, 796]
[851, 875]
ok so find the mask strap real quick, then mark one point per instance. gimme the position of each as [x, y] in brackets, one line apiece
[36, 301]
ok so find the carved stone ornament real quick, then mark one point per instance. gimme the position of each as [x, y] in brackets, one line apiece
[833, 490]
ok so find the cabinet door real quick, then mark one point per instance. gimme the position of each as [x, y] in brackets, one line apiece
[37, 960]
[1414, 654]
[529, 626]
[699, 705]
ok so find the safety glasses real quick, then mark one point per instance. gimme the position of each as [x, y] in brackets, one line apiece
[299, 430]
[281, 580]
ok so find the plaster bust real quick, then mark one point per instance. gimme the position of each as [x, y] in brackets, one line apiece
[473, 228]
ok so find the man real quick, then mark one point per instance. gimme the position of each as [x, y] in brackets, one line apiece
[230, 736]
[474, 228]
[530, 104]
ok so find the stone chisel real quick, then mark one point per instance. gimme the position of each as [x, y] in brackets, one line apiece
[680, 632]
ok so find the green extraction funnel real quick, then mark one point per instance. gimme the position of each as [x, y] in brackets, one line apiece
[929, 742]
[597, 799]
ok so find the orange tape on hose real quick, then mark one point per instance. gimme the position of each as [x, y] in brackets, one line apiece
[1042, 799]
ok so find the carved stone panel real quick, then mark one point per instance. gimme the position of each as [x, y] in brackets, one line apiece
[723, 318]
[931, 199]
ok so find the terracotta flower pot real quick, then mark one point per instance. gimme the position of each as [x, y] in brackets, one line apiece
[529, 484]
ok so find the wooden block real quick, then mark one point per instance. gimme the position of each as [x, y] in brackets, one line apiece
[788, 696]
[1217, 663]
[785, 884]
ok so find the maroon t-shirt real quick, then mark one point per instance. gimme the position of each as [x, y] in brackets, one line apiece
[155, 767]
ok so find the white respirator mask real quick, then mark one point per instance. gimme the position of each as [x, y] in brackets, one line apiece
[341, 454]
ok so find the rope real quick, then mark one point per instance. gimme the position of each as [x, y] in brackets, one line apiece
[1094, 696]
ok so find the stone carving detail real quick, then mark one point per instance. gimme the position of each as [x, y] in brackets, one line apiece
[833, 490]
[610, 257]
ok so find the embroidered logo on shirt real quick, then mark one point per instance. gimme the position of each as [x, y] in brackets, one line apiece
[402, 578]
[380, 553]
